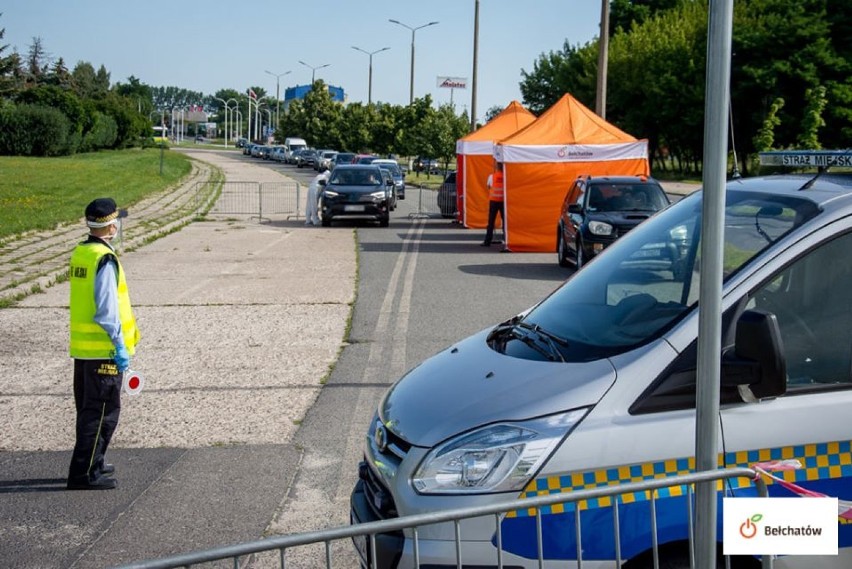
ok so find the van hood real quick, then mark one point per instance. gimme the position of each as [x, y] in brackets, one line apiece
[469, 385]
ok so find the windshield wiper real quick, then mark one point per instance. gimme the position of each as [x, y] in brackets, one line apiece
[549, 338]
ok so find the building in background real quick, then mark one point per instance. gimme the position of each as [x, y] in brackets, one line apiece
[299, 91]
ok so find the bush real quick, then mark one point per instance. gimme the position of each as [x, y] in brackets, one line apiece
[32, 130]
[102, 134]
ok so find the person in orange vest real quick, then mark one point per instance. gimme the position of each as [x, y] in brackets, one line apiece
[495, 203]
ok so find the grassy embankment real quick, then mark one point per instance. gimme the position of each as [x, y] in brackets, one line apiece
[40, 193]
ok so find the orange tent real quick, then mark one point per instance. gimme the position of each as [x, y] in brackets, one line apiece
[476, 161]
[541, 161]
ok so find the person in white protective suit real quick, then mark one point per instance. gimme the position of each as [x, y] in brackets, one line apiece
[311, 212]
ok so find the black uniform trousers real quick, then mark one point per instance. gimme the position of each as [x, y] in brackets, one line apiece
[97, 396]
[494, 207]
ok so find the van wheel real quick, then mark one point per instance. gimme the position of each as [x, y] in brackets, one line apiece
[561, 253]
[326, 221]
[384, 221]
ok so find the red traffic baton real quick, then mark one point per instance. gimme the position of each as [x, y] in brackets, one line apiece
[133, 382]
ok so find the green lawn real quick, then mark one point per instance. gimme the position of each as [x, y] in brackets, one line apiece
[39, 193]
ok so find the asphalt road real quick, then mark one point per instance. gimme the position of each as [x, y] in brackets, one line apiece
[423, 283]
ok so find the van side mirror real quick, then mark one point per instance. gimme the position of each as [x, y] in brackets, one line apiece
[575, 208]
[756, 364]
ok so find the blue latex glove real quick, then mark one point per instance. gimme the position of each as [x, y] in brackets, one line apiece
[121, 358]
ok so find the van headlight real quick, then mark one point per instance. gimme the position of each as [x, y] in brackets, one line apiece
[379, 195]
[497, 458]
[600, 228]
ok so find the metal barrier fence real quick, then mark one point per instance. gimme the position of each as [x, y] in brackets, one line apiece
[257, 199]
[369, 531]
[431, 203]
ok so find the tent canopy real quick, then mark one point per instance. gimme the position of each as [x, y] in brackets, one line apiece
[541, 161]
[475, 162]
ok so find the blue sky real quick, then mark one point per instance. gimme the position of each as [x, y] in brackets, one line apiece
[205, 46]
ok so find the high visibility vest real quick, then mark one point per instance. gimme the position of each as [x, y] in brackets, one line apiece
[495, 193]
[88, 340]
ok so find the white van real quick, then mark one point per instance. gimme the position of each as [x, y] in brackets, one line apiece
[596, 384]
[291, 145]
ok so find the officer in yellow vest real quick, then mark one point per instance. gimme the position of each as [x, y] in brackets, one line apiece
[103, 338]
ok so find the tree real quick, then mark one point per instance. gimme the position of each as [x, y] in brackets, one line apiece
[492, 112]
[83, 80]
[765, 137]
[9, 67]
[37, 61]
[812, 120]
[572, 70]
[624, 13]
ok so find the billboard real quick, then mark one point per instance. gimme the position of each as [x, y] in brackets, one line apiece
[452, 82]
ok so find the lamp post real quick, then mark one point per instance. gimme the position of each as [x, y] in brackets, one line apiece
[277, 76]
[411, 90]
[231, 110]
[239, 121]
[225, 103]
[268, 120]
[475, 65]
[313, 70]
[370, 77]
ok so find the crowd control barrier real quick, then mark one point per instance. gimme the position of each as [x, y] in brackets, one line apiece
[281, 546]
[255, 199]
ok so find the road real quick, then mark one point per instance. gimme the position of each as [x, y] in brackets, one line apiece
[423, 284]
[244, 453]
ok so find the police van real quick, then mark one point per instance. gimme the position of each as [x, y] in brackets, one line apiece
[595, 385]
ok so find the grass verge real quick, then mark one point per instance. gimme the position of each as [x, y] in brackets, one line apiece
[40, 193]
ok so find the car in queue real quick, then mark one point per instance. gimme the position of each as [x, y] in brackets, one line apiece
[597, 210]
[341, 158]
[357, 191]
[306, 158]
[324, 158]
[596, 386]
[447, 203]
[392, 166]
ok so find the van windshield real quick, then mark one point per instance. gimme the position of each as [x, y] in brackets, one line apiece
[648, 280]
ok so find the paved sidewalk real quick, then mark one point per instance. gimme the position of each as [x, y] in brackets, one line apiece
[240, 322]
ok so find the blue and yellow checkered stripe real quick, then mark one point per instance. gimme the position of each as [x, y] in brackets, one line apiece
[820, 461]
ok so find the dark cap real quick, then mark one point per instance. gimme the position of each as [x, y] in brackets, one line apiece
[101, 212]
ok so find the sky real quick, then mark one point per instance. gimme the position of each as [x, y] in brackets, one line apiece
[212, 45]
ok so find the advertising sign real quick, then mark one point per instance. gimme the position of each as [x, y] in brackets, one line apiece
[452, 82]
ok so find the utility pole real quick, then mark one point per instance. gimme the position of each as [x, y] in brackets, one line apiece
[603, 48]
[475, 65]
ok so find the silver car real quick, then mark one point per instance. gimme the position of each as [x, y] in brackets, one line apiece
[595, 385]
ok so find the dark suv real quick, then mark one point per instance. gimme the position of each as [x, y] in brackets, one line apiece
[356, 191]
[599, 209]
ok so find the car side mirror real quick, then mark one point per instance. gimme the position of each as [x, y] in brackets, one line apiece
[756, 364]
[575, 208]
[323, 182]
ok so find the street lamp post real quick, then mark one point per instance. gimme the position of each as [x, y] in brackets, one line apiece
[370, 77]
[411, 90]
[277, 76]
[314, 70]
[231, 110]
[225, 103]
[268, 121]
